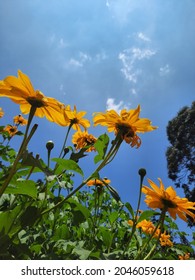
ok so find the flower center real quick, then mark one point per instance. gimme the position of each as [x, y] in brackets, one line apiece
[168, 203]
[35, 102]
[125, 130]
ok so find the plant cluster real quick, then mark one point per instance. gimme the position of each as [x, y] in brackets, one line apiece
[48, 217]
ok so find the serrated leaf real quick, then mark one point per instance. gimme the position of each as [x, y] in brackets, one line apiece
[101, 146]
[68, 164]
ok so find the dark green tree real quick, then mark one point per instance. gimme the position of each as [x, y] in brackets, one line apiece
[181, 152]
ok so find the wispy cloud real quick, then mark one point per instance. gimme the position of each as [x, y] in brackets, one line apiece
[165, 70]
[80, 61]
[130, 58]
[57, 42]
[143, 37]
[75, 63]
[111, 105]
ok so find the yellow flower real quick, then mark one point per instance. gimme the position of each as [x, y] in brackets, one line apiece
[82, 139]
[127, 124]
[146, 226]
[1, 113]
[20, 90]
[167, 199]
[130, 223]
[19, 120]
[12, 130]
[184, 257]
[75, 119]
[97, 182]
[165, 240]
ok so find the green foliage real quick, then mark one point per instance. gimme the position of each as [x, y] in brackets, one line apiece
[45, 215]
[101, 146]
[181, 152]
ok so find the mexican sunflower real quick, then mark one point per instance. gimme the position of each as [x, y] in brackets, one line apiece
[75, 119]
[127, 124]
[82, 139]
[20, 90]
[11, 129]
[184, 257]
[19, 120]
[97, 182]
[167, 199]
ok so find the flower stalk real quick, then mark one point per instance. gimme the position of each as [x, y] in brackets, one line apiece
[23, 146]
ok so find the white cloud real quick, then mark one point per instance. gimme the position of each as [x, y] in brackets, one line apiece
[75, 63]
[57, 42]
[143, 37]
[165, 70]
[130, 58]
[80, 61]
[84, 57]
[111, 105]
[61, 88]
[133, 91]
[61, 43]
[101, 56]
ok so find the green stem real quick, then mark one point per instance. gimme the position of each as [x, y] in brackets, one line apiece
[65, 140]
[142, 174]
[20, 153]
[116, 143]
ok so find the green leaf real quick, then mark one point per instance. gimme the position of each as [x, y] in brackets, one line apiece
[25, 187]
[146, 215]
[80, 212]
[113, 217]
[81, 252]
[101, 146]
[8, 220]
[62, 232]
[130, 209]
[68, 164]
[30, 215]
[106, 236]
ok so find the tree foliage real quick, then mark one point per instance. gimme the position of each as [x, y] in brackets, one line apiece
[181, 153]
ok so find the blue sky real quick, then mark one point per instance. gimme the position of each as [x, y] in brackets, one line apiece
[103, 54]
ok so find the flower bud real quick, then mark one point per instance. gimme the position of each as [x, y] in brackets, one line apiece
[142, 172]
[66, 150]
[49, 145]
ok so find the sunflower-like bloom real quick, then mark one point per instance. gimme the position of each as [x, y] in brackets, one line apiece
[127, 124]
[75, 119]
[146, 226]
[184, 257]
[19, 120]
[1, 113]
[11, 129]
[82, 139]
[165, 240]
[97, 182]
[20, 90]
[167, 199]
